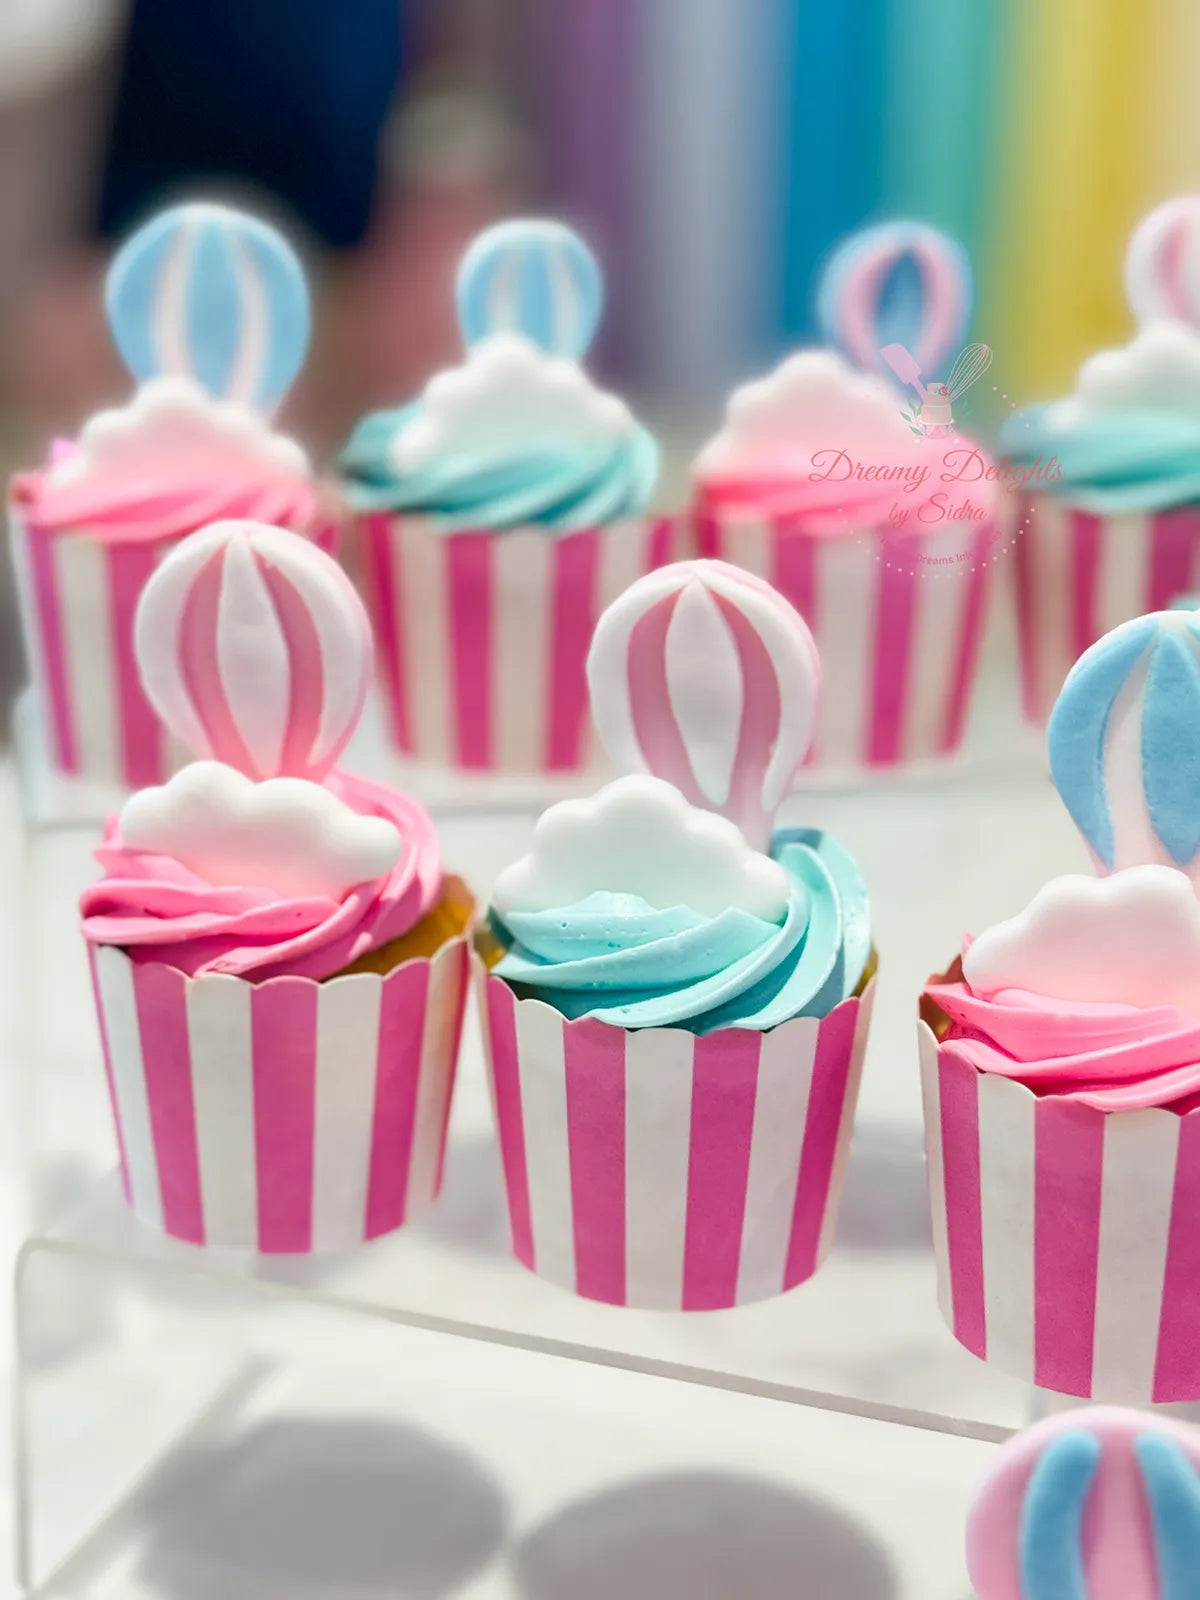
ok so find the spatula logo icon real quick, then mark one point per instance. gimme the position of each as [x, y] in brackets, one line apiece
[935, 417]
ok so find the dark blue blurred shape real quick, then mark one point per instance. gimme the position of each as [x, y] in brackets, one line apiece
[284, 95]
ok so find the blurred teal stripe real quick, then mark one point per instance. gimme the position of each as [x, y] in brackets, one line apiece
[832, 58]
[943, 57]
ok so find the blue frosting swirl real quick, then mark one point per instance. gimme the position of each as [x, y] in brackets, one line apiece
[1133, 460]
[561, 489]
[614, 957]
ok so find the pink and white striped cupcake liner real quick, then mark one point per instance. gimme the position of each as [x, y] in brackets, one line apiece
[1067, 1239]
[897, 618]
[482, 638]
[77, 594]
[661, 1169]
[1079, 574]
[280, 1117]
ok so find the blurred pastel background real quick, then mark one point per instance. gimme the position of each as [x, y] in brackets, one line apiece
[712, 151]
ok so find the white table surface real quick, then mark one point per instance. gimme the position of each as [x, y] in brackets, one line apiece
[572, 1445]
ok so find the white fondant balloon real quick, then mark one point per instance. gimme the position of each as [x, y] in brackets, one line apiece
[703, 675]
[255, 650]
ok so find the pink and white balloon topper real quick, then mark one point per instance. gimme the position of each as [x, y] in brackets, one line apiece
[1162, 264]
[703, 675]
[255, 650]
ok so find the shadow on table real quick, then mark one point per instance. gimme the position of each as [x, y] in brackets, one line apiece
[702, 1536]
[471, 1213]
[307, 1507]
[885, 1205]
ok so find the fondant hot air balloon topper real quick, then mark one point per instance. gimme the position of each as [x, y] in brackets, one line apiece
[1098, 1504]
[1162, 264]
[1124, 743]
[255, 650]
[210, 294]
[896, 298]
[535, 277]
[703, 675]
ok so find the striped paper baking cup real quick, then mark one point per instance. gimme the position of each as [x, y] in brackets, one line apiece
[1078, 575]
[280, 1117]
[481, 639]
[77, 592]
[662, 1169]
[1067, 1239]
[898, 620]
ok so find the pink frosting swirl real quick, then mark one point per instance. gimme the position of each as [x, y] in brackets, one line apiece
[829, 487]
[150, 507]
[158, 910]
[1115, 1057]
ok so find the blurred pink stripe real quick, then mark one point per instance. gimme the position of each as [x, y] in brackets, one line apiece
[958, 1085]
[1178, 1357]
[826, 1110]
[594, 1058]
[895, 607]
[122, 1157]
[49, 623]
[403, 1018]
[1068, 1167]
[283, 1030]
[160, 996]
[724, 1082]
[469, 581]
[502, 1032]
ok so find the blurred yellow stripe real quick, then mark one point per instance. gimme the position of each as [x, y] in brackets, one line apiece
[1172, 125]
[1071, 140]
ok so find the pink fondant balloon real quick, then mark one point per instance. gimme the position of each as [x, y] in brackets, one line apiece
[1092, 1504]
[1162, 264]
[703, 675]
[255, 650]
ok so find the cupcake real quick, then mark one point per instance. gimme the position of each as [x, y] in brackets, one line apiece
[279, 959]
[499, 512]
[676, 994]
[209, 310]
[864, 507]
[1111, 513]
[1061, 1059]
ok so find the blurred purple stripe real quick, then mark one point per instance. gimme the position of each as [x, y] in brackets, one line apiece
[587, 56]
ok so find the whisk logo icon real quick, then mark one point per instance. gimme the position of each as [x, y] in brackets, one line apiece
[932, 413]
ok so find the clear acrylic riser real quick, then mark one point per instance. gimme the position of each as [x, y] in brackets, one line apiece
[133, 1348]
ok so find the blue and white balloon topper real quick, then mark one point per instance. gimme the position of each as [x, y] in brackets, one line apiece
[1124, 741]
[215, 295]
[535, 277]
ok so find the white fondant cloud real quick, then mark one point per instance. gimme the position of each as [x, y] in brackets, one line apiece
[508, 394]
[1158, 370]
[813, 400]
[286, 834]
[171, 429]
[640, 836]
[1133, 938]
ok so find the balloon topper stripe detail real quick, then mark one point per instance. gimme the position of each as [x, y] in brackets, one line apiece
[532, 276]
[1124, 743]
[215, 295]
[900, 283]
[703, 675]
[255, 650]
[1162, 263]
[1062, 1514]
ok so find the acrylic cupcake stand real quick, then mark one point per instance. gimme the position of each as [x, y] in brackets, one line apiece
[148, 1371]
